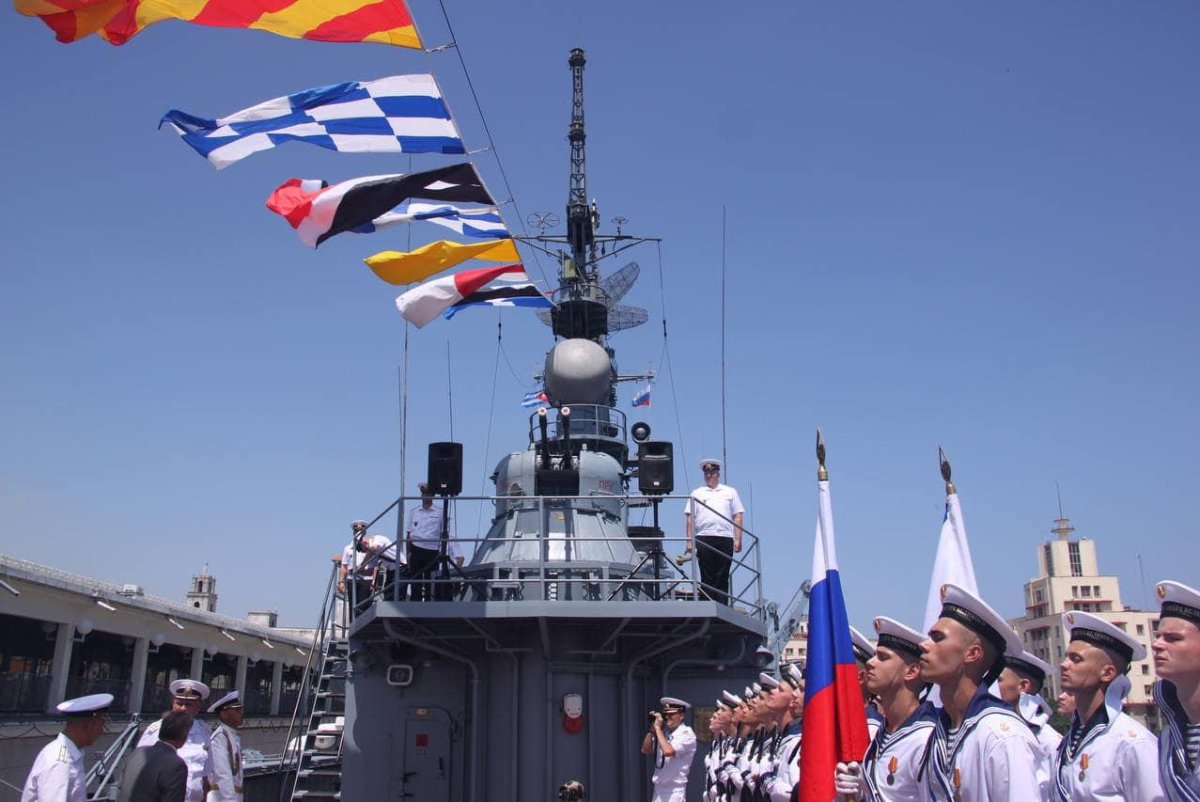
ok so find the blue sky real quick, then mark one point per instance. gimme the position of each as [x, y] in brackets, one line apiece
[947, 223]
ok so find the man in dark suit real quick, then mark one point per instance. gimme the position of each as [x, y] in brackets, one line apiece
[155, 773]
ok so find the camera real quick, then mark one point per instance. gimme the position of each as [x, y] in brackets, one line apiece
[571, 791]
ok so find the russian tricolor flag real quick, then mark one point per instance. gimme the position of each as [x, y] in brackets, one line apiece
[835, 721]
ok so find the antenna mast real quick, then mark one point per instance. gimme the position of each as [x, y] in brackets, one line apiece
[580, 225]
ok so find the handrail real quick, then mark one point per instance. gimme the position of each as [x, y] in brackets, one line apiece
[104, 768]
[325, 629]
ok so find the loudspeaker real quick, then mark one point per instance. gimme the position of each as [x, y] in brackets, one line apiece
[445, 468]
[656, 467]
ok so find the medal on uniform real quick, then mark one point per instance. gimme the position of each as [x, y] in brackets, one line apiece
[957, 785]
[892, 764]
[1083, 764]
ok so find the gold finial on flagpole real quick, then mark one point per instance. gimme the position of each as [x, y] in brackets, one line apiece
[822, 474]
[945, 463]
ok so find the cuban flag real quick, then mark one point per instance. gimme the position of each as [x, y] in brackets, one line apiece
[535, 398]
[835, 721]
[642, 399]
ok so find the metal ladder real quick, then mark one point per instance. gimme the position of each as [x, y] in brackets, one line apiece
[317, 748]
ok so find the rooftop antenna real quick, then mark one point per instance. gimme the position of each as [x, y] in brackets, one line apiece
[580, 228]
[1062, 524]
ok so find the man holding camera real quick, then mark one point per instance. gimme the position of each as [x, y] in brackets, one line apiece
[673, 744]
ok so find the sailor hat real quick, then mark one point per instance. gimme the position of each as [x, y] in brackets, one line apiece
[1029, 666]
[864, 650]
[723, 705]
[768, 682]
[754, 686]
[749, 693]
[1179, 601]
[704, 462]
[972, 612]
[231, 699]
[670, 704]
[795, 674]
[733, 699]
[1098, 632]
[83, 706]
[897, 637]
[189, 689]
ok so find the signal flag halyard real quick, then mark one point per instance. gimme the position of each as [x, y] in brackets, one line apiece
[118, 21]
[835, 720]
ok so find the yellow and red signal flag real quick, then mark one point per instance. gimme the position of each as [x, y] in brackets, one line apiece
[117, 21]
[396, 267]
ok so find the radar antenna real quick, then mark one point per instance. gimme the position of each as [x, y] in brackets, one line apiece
[581, 230]
[612, 289]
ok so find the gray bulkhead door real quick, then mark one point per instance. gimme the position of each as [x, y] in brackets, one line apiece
[425, 766]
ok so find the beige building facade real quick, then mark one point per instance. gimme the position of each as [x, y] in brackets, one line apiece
[1069, 579]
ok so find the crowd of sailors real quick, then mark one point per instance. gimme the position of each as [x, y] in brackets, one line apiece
[956, 715]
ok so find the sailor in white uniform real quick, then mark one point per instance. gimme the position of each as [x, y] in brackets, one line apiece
[58, 774]
[226, 780]
[980, 750]
[778, 784]
[1105, 755]
[1177, 661]
[864, 650]
[673, 743]
[187, 694]
[719, 728]
[889, 770]
[1020, 686]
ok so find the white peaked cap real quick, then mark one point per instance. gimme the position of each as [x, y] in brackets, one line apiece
[186, 687]
[898, 637]
[732, 698]
[704, 462]
[767, 681]
[1095, 630]
[1030, 665]
[795, 674]
[863, 648]
[974, 613]
[670, 702]
[1179, 601]
[228, 699]
[85, 705]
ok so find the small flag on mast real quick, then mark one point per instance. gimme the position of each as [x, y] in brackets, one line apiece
[642, 399]
[535, 398]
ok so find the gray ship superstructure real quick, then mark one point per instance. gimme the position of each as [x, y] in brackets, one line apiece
[542, 656]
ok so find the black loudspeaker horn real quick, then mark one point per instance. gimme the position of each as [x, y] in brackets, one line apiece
[656, 467]
[445, 468]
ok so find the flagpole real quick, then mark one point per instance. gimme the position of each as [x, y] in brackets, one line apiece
[944, 462]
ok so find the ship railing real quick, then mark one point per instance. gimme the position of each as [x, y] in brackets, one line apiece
[527, 553]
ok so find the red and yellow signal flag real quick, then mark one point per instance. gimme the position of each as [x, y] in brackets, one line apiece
[117, 21]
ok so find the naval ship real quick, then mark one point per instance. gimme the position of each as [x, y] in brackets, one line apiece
[536, 662]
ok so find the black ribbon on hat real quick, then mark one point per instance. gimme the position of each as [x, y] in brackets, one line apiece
[1104, 641]
[897, 644]
[975, 622]
[1026, 668]
[1172, 609]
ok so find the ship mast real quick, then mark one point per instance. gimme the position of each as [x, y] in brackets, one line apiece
[580, 223]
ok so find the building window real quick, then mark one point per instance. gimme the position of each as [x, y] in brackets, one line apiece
[1074, 591]
[1037, 596]
[1087, 592]
[1149, 689]
[1076, 560]
[1141, 629]
[1145, 669]
[1096, 591]
[1048, 553]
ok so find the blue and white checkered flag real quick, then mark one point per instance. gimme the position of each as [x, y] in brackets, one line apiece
[401, 114]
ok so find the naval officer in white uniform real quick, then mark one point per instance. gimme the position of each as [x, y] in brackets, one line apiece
[225, 781]
[1105, 755]
[889, 772]
[58, 774]
[1177, 661]
[980, 750]
[673, 743]
[187, 694]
